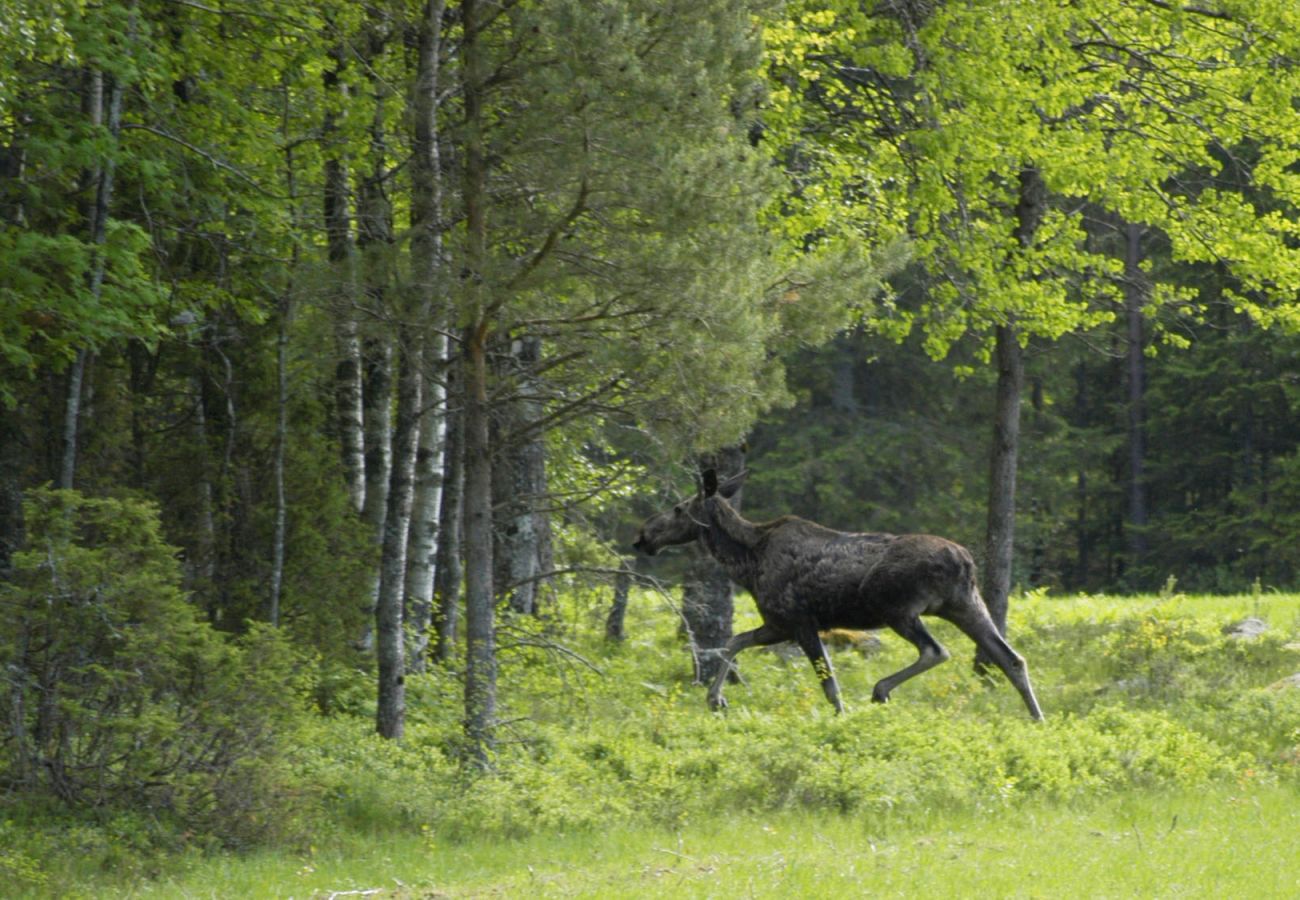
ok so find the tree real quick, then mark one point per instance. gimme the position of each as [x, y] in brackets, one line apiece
[593, 212]
[707, 596]
[976, 132]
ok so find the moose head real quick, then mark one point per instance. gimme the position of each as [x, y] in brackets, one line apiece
[685, 522]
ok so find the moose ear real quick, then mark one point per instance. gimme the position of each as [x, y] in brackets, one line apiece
[710, 485]
[733, 484]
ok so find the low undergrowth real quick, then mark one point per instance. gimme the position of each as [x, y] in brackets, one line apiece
[1144, 697]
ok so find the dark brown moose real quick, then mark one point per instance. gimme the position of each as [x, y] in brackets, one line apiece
[806, 578]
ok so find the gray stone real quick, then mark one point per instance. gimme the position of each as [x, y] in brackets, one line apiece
[1289, 683]
[1247, 629]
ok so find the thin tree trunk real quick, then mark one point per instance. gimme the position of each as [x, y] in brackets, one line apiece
[999, 548]
[103, 110]
[350, 409]
[449, 571]
[341, 251]
[142, 365]
[391, 713]
[708, 601]
[1135, 358]
[1082, 540]
[282, 396]
[281, 443]
[205, 555]
[71, 419]
[426, 262]
[614, 622]
[377, 396]
[423, 541]
[519, 476]
[375, 238]
[13, 460]
[14, 454]
[480, 625]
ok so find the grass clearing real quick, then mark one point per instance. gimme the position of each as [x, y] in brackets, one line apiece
[1216, 842]
[1167, 767]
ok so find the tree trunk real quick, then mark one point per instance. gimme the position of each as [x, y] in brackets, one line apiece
[142, 367]
[708, 599]
[204, 559]
[1135, 359]
[377, 397]
[1082, 538]
[426, 262]
[614, 622]
[281, 447]
[423, 542]
[103, 110]
[449, 571]
[341, 252]
[480, 626]
[999, 547]
[13, 460]
[519, 481]
[375, 238]
[72, 419]
[391, 713]
[282, 394]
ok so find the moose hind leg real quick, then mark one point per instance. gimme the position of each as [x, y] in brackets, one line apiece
[758, 637]
[811, 643]
[932, 653]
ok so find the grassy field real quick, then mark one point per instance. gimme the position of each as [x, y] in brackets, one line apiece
[1169, 767]
[1212, 843]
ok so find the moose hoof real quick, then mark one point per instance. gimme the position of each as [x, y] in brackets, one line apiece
[879, 697]
[717, 702]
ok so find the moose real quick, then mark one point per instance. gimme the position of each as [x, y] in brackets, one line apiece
[806, 578]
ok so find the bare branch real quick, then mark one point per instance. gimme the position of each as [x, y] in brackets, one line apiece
[215, 160]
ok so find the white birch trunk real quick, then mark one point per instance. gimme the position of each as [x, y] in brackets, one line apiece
[423, 546]
[426, 265]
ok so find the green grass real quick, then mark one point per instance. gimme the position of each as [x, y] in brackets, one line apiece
[1166, 768]
[1210, 843]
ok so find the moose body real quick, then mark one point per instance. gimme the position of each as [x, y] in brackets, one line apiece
[806, 578]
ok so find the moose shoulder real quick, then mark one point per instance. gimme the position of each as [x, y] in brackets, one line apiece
[806, 578]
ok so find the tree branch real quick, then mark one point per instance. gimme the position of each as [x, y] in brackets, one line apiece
[216, 161]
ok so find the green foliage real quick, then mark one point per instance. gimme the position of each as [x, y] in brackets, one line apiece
[1145, 697]
[117, 695]
[921, 122]
[1139, 697]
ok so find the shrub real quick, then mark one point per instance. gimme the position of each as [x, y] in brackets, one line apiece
[117, 695]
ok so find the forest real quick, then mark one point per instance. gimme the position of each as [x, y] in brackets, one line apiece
[344, 348]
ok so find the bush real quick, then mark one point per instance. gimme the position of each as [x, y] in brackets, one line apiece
[117, 695]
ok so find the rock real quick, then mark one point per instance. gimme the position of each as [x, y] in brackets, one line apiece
[863, 642]
[787, 650]
[1139, 684]
[1247, 629]
[1289, 683]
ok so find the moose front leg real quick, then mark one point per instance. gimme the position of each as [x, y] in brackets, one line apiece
[761, 636]
[811, 644]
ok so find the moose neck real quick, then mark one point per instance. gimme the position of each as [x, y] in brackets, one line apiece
[732, 540]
